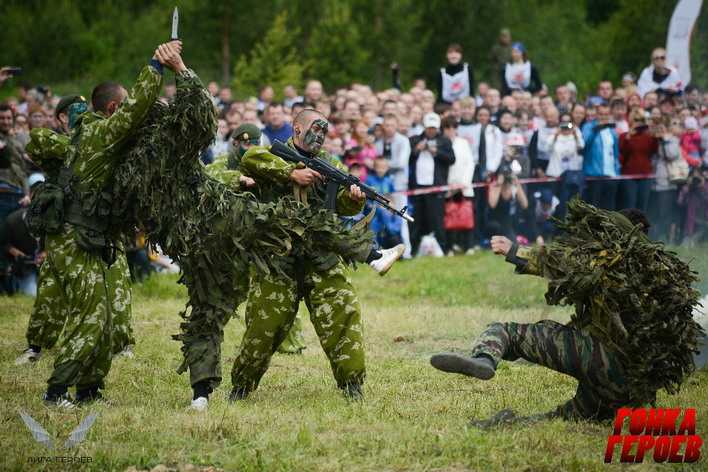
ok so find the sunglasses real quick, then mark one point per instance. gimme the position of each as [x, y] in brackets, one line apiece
[657, 58]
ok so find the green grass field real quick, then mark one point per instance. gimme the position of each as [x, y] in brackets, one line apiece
[413, 417]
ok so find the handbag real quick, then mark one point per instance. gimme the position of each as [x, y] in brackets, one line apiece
[677, 170]
[459, 214]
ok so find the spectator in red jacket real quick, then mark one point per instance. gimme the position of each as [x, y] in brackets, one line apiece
[637, 146]
[691, 142]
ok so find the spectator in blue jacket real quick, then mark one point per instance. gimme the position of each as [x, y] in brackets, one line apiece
[276, 128]
[601, 159]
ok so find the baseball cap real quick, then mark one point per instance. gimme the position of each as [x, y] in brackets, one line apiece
[431, 120]
[35, 179]
[515, 139]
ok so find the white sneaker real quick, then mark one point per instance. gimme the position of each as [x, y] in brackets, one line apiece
[127, 352]
[199, 404]
[388, 256]
[29, 355]
[64, 402]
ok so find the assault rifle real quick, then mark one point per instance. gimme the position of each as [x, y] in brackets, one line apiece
[334, 178]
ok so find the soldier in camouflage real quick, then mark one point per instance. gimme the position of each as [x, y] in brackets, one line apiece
[321, 280]
[49, 150]
[598, 366]
[82, 255]
[225, 169]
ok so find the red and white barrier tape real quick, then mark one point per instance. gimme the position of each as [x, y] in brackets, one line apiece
[445, 188]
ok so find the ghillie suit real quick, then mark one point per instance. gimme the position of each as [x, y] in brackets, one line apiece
[629, 292]
[632, 332]
[215, 234]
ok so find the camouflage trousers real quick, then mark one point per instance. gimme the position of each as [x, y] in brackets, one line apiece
[602, 386]
[215, 292]
[49, 312]
[90, 293]
[271, 309]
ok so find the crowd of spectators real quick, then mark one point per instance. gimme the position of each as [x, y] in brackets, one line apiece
[470, 159]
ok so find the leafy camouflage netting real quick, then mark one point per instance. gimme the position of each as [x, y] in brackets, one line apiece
[213, 232]
[628, 291]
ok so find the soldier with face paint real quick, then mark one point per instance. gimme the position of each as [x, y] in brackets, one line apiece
[226, 170]
[320, 279]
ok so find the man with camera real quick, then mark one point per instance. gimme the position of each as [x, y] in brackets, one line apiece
[429, 163]
[694, 198]
[601, 159]
[507, 201]
[566, 161]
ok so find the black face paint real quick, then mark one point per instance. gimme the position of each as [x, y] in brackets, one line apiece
[315, 136]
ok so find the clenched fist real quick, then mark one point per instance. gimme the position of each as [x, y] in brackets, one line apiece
[169, 55]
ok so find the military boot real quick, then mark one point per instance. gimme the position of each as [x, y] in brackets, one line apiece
[481, 367]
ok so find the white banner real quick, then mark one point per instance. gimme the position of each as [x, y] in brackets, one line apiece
[678, 41]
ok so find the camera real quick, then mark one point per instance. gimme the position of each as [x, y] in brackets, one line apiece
[506, 171]
[566, 126]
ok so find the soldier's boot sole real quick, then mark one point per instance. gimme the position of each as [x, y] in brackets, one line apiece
[476, 367]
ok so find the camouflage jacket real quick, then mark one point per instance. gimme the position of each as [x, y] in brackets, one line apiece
[220, 170]
[272, 176]
[101, 139]
[49, 150]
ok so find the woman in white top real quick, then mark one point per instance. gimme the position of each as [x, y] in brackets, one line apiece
[566, 161]
[566, 148]
[519, 74]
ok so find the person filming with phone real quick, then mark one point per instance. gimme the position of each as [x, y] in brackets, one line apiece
[637, 146]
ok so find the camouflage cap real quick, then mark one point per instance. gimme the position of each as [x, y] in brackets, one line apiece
[246, 131]
[65, 102]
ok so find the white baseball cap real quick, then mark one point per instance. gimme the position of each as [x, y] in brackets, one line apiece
[431, 120]
[35, 179]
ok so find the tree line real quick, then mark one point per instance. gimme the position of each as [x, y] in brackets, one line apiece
[248, 43]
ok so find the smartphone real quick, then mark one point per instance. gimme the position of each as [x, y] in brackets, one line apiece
[14, 70]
